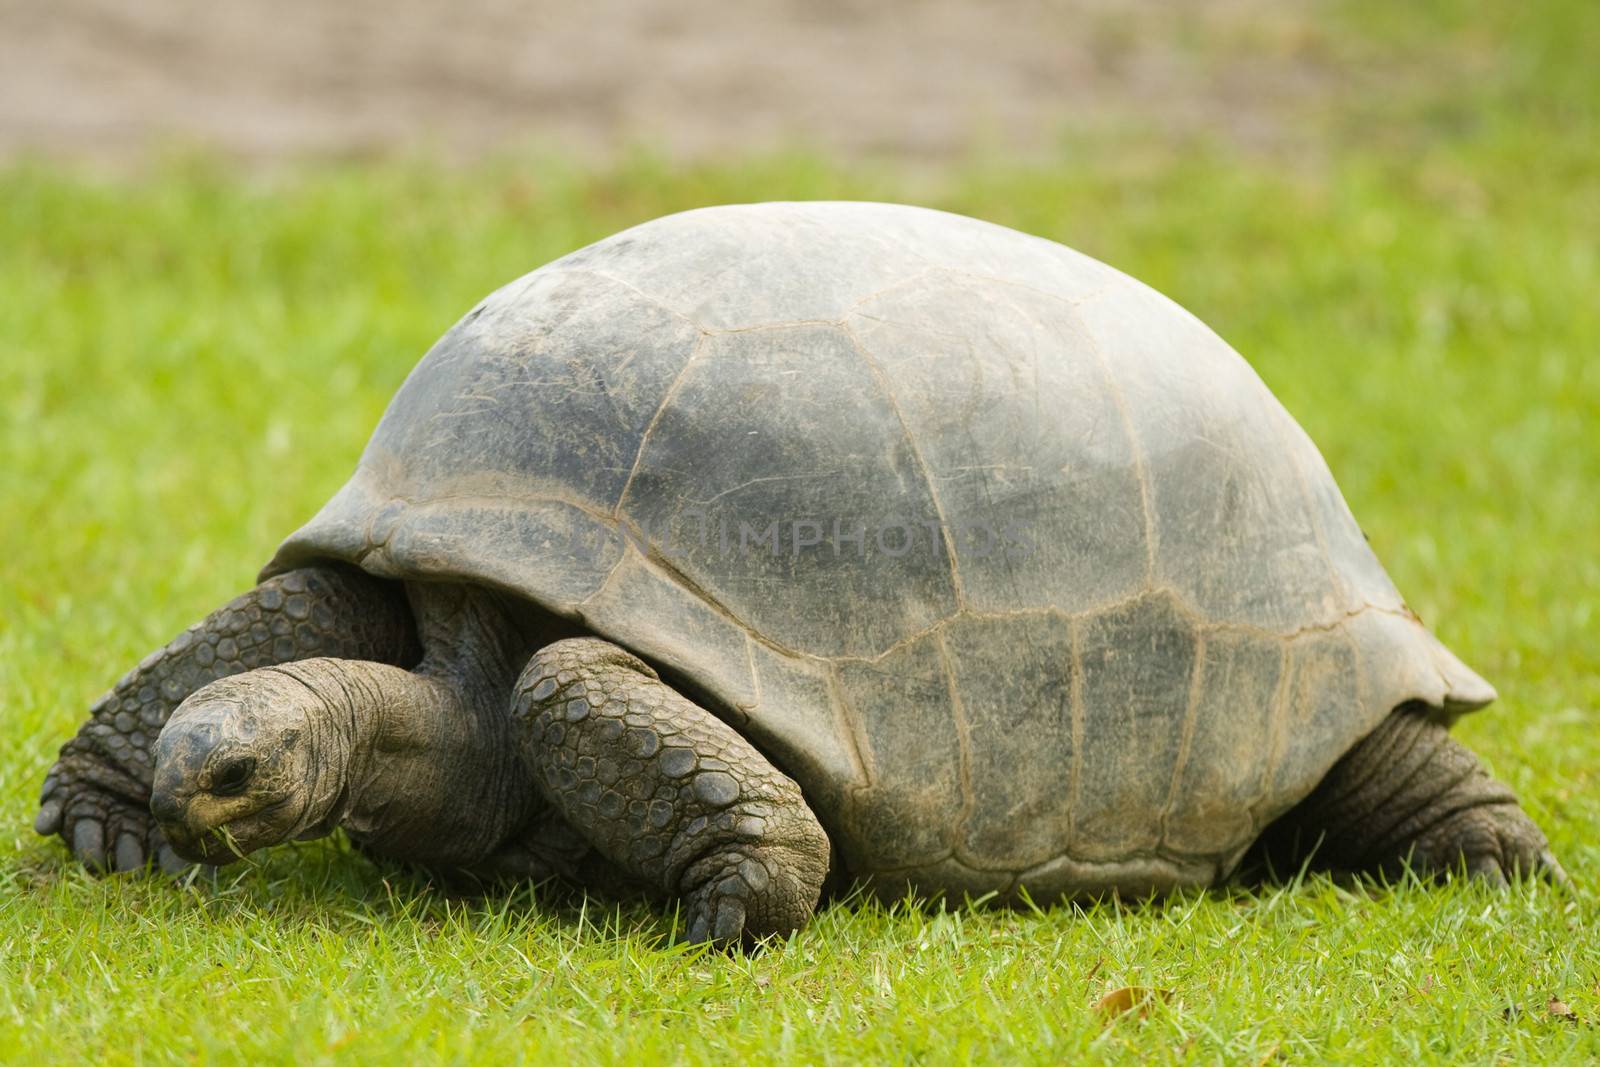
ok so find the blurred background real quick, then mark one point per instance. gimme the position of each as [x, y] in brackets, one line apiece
[923, 80]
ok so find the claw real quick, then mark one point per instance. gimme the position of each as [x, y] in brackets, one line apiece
[129, 854]
[1486, 869]
[1552, 869]
[51, 780]
[717, 919]
[89, 844]
[729, 924]
[48, 821]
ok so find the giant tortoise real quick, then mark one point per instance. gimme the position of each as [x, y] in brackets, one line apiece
[759, 544]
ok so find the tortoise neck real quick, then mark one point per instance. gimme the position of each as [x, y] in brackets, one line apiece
[434, 777]
[421, 764]
[470, 638]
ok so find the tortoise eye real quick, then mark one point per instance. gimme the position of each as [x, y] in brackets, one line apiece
[231, 778]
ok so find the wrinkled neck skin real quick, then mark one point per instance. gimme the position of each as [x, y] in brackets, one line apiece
[420, 765]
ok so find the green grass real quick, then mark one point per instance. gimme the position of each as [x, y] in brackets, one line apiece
[190, 361]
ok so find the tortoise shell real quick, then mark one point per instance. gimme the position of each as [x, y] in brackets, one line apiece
[1015, 566]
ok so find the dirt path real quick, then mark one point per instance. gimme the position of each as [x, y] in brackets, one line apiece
[107, 79]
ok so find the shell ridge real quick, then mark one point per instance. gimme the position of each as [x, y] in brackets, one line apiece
[784, 324]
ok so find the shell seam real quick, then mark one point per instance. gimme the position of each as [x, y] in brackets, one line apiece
[1140, 469]
[1186, 734]
[661, 409]
[860, 751]
[922, 464]
[958, 712]
[1275, 737]
[1184, 609]
[653, 300]
[1075, 697]
[1310, 505]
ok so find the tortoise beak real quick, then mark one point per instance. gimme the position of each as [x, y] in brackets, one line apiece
[192, 820]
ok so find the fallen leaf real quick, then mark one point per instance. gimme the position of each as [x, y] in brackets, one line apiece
[1559, 1009]
[1132, 998]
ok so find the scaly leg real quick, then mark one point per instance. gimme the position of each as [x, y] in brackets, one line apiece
[669, 793]
[1410, 795]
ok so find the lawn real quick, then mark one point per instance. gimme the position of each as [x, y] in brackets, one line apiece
[191, 358]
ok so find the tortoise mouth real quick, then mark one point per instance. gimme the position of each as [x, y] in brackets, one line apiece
[214, 848]
[230, 840]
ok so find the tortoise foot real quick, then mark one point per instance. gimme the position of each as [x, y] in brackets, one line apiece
[1409, 796]
[1496, 844]
[93, 805]
[742, 897]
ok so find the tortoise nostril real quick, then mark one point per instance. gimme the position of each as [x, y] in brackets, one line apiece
[166, 809]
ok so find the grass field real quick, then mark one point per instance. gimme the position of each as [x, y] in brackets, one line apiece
[191, 359]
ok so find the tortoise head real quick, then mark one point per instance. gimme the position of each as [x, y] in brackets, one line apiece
[239, 767]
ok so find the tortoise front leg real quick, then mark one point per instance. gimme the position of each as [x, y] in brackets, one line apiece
[1410, 795]
[97, 795]
[669, 793]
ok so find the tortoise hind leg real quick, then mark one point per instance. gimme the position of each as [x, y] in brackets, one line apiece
[669, 793]
[97, 795]
[1410, 795]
